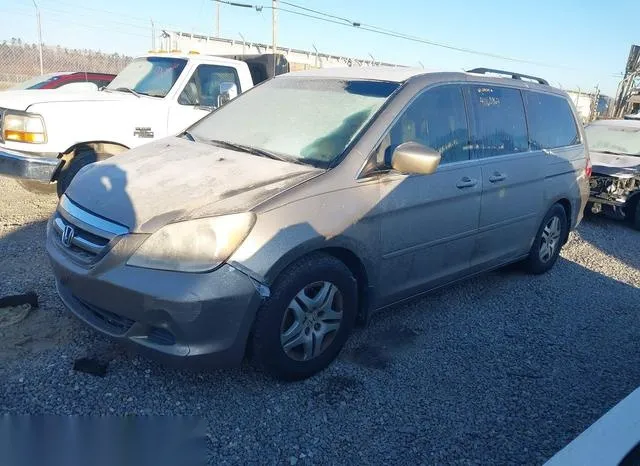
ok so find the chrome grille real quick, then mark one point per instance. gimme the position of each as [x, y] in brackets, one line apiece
[84, 235]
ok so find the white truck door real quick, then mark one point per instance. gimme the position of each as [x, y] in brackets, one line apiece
[203, 92]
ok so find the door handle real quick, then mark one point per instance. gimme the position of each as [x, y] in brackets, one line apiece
[467, 182]
[497, 177]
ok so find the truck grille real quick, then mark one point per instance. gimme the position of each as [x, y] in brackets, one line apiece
[84, 235]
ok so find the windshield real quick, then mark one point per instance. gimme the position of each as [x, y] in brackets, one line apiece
[619, 139]
[153, 76]
[306, 120]
[35, 83]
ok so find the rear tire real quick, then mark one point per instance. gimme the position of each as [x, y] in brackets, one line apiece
[82, 158]
[548, 241]
[295, 333]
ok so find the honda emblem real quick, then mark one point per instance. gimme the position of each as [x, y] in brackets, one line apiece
[67, 235]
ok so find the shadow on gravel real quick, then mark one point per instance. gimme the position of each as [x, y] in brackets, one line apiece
[509, 367]
[518, 362]
[24, 268]
[605, 238]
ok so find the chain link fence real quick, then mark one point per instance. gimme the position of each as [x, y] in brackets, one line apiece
[21, 61]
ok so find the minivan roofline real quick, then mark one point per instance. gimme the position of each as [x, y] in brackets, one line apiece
[403, 75]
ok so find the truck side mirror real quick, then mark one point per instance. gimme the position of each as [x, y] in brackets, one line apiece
[228, 91]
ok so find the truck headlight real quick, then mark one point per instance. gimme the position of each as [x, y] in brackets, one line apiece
[24, 127]
[195, 245]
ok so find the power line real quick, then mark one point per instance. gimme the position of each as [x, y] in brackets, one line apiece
[319, 12]
[121, 15]
[97, 10]
[341, 21]
[74, 23]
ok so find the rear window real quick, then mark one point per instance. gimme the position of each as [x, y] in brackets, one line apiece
[551, 121]
[499, 125]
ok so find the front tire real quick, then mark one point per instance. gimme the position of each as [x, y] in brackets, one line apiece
[303, 325]
[548, 242]
[81, 158]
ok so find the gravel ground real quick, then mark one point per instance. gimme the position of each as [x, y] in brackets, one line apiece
[505, 368]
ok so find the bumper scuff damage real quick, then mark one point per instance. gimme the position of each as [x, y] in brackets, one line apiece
[183, 319]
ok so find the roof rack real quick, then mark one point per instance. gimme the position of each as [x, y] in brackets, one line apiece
[508, 73]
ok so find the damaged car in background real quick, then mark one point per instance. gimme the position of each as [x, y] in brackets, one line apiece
[614, 147]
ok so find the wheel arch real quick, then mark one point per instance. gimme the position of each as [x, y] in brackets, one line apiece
[568, 210]
[100, 147]
[343, 250]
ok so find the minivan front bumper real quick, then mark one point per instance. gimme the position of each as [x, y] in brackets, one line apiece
[27, 166]
[182, 319]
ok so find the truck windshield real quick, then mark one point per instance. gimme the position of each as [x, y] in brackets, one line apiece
[304, 119]
[617, 139]
[153, 76]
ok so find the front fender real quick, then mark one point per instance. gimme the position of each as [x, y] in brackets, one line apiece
[129, 124]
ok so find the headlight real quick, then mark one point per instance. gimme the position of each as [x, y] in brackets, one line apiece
[193, 246]
[24, 127]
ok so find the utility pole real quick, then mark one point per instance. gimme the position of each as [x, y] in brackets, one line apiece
[39, 36]
[274, 24]
[153, 35]
[243, 43]
[217, 19]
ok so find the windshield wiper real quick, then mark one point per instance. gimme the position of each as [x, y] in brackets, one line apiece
[189, 136]
[125, 89]
[252, 150]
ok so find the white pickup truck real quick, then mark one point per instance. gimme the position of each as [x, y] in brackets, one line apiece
[47, 136]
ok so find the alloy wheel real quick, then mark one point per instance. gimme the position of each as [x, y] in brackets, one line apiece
[550, 240]
[311, 321]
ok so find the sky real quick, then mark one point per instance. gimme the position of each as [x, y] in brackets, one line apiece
[574, 44]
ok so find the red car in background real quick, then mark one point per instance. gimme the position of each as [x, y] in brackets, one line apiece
[62, 79]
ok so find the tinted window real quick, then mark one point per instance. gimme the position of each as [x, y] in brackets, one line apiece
[499, 125]
[436, 119]
[551, 122]
[204, 86]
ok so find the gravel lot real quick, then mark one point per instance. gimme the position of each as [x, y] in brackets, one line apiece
[505, 368]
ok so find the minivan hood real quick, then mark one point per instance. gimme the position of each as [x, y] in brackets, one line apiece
[613, 164]
[173, 179]
[23, 99]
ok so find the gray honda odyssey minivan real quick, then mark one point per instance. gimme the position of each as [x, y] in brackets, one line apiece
[272, 226]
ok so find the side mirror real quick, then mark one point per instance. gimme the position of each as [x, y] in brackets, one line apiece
[414, 158]
[228, 91]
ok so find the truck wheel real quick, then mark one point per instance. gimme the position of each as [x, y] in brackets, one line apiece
[300, 329]
[81, 158]
[548, 242]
